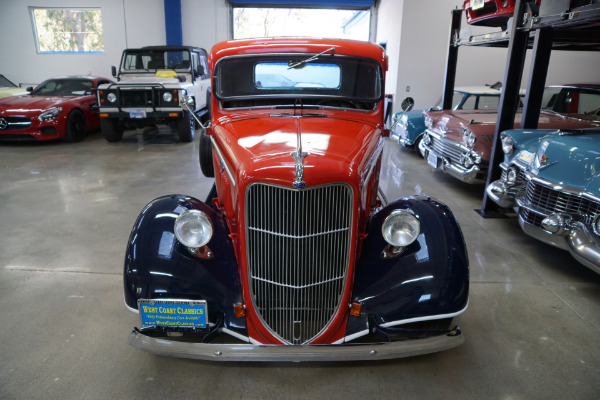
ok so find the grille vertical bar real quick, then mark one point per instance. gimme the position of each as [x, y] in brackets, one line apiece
[298, 244]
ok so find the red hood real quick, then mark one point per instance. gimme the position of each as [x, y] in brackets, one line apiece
[483, 124]
[25, 104]
[338, 149]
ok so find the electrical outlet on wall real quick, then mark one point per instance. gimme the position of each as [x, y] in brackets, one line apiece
[408, 88]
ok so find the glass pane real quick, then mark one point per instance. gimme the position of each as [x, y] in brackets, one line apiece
[60, 30]
[280, 75]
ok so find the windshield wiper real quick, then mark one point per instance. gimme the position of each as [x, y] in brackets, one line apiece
[301, 64]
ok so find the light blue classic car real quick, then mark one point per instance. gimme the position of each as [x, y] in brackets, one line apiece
[552, 180]
[408, 127]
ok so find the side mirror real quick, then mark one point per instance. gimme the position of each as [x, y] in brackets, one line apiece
[200, 70]
[113, 70]
[407, 104]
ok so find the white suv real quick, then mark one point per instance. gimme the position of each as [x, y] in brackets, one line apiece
[152, 82]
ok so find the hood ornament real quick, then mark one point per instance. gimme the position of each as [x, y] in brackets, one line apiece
[299, 157]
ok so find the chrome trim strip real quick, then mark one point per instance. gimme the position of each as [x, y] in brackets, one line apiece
[220, 154]
[294, 353]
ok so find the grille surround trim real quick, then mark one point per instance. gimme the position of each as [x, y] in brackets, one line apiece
[293, 298]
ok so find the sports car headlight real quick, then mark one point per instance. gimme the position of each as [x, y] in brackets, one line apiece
[193, 228]
[428, 121]
[111, 97]
[508, 145]
[167, 96]
[400, 228]
[50, 114]
[468, 137]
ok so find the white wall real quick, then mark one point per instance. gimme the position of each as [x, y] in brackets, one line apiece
[421, 30]
[126, 23]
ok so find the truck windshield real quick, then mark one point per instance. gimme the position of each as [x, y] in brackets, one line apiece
[278, 77]
[152, 60]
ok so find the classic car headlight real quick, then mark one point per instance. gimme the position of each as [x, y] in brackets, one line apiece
[468, 137]
[49, 114]
[511, 175]
[400, 228]
[111, 97]
[167, 96]
[193, 228]
[428, 120]
[596, 225]
[508, 145]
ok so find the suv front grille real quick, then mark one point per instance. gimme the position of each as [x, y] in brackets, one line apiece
[298, 246]
[448, 149]
[136, 98]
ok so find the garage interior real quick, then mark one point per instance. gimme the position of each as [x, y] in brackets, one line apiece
[532, 327]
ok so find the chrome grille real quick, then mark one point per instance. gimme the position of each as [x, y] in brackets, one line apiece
[298, 244]
[546, 200]
[447, 148]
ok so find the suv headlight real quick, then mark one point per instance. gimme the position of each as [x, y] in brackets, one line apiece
[468, 137]
[400, 228]
[111, 97]
[193, 228]
[167, 96]
[49, 114]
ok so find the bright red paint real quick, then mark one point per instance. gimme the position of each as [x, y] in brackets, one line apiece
[26, 109]
[344, 146]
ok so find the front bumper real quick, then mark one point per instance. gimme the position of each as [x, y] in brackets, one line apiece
[473, 175]
[295, 353]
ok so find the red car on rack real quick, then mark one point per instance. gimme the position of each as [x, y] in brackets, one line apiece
[490, 12]
[58, 108]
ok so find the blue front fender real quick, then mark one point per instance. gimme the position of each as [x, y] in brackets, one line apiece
[428, 280]
[157, 266]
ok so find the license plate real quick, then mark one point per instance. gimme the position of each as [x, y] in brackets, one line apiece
[137, 113]
[477, 4]
[432, 160]
[173, 313]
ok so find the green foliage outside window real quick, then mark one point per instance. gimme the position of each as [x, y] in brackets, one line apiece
[63, 30]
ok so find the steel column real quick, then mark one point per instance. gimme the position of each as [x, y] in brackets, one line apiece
[452, 60]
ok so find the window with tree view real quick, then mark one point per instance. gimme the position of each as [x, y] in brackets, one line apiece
[68, 30]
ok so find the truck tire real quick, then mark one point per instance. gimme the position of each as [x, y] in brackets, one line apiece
[205, 156]
[186, 127]
[75, 129]
[111, 129]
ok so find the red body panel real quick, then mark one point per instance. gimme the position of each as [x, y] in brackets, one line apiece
[31, 106]
[252, 145]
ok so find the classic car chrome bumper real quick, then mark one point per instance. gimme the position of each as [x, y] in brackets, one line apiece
[294, 353]
[574, 237]
[500, 194]
[471, 175]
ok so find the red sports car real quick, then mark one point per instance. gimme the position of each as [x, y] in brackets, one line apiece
[59, 108]
[489, 12]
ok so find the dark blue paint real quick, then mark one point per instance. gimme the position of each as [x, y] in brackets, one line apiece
[173, 25]
[431, 276]
[161, 267]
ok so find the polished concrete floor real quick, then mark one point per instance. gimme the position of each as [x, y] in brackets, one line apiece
[532, 327]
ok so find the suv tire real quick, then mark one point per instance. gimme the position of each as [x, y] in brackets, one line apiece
[111, 129]
[186, 127]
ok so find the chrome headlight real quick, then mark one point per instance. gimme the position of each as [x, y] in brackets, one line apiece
[111, 97]
[596, 225]
[193, 228]
[167, 96]
[508, 145]
[400, 228]
[468, 137]
[428, 120]
[50, 114]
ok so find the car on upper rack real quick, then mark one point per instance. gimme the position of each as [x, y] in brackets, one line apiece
[151, 82]
[408, 126]
[551, 177]
[296, 254]
[7, 88]
[460, 142]
[58, 108]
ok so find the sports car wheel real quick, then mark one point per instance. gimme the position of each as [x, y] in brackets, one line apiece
[75, 130]
[111, 129]
[205, 156]
[186, 127]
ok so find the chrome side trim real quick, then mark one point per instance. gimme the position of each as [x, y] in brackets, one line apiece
[222, 159]
[294, 353]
